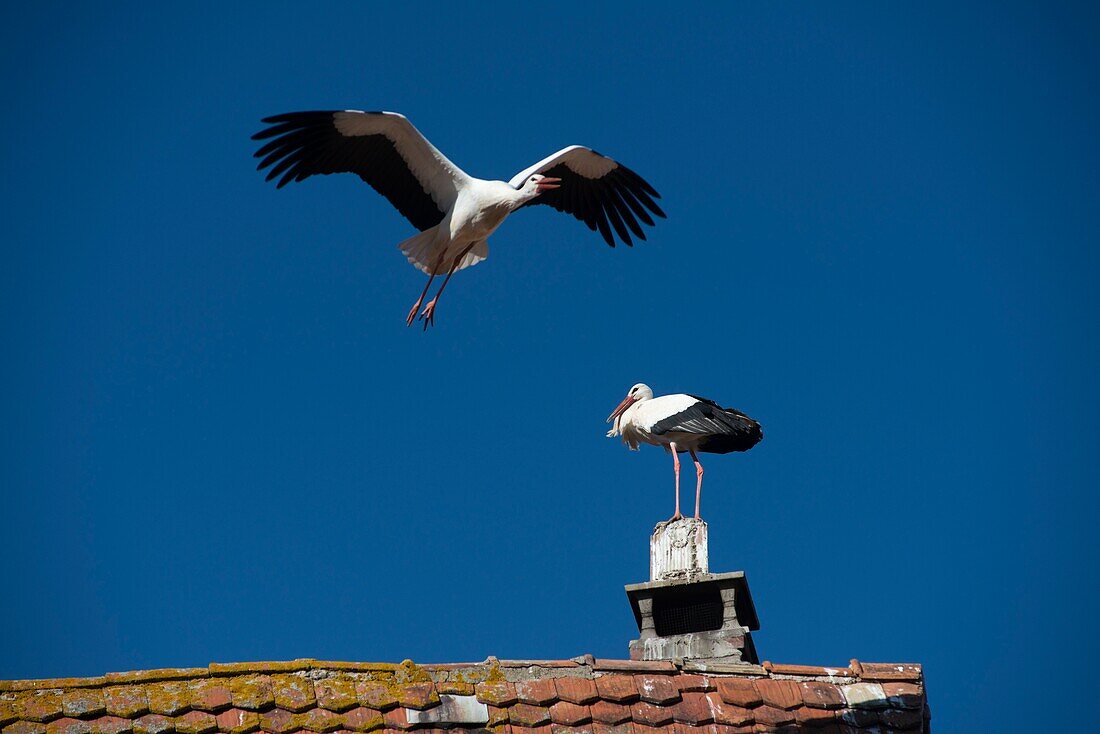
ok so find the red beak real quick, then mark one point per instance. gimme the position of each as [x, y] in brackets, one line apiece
[548, 183]
[626, 403]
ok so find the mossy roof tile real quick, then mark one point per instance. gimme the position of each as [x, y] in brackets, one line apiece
[336, 693]
[196, 722]
[68, 726]
[42, 706]
[211, 695]
[320, 720]
[25, 727]
[363, 719]
[169, 698]
[238, 721]
[277, 721]
[83, 703]
[521, 697]
[376, 695]
[293, 692]
[127, 701]
[153, 724]
[252, 692]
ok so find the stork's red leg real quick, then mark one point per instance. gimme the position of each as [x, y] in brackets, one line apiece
[698, 481]
[676, 469]
[416, 306]
[428, 314]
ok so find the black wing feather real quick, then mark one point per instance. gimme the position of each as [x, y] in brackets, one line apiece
[726, 429]
[617, 200]
[305, 144]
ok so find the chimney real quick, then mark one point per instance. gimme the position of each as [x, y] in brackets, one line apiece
[686, 612]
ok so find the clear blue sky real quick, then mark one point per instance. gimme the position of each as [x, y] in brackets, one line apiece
[220, 441]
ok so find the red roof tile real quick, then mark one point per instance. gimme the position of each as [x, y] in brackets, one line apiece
[537, 692]
[739, 691]
[570, 714]
[580, 691]
[582, 696]
[617, 688]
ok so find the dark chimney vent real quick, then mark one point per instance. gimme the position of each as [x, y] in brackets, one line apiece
[684, 612]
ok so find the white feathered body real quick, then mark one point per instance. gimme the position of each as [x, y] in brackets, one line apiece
[479, 209]
[634, 425]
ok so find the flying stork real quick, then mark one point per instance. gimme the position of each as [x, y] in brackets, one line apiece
[454, 211]
[682, 423]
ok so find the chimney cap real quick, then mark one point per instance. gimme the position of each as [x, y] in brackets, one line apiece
[743, 605]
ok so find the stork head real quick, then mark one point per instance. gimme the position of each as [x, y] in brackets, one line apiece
[639, 392]
[536, 184]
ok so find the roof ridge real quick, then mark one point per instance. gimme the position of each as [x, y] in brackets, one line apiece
[855, 669]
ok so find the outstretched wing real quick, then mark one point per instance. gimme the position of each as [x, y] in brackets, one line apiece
[382, 148]
[597, 190]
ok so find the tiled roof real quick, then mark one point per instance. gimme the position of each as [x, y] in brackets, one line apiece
[583, 695]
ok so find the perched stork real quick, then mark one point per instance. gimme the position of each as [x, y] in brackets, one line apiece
[454, 212]
[682, 423]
